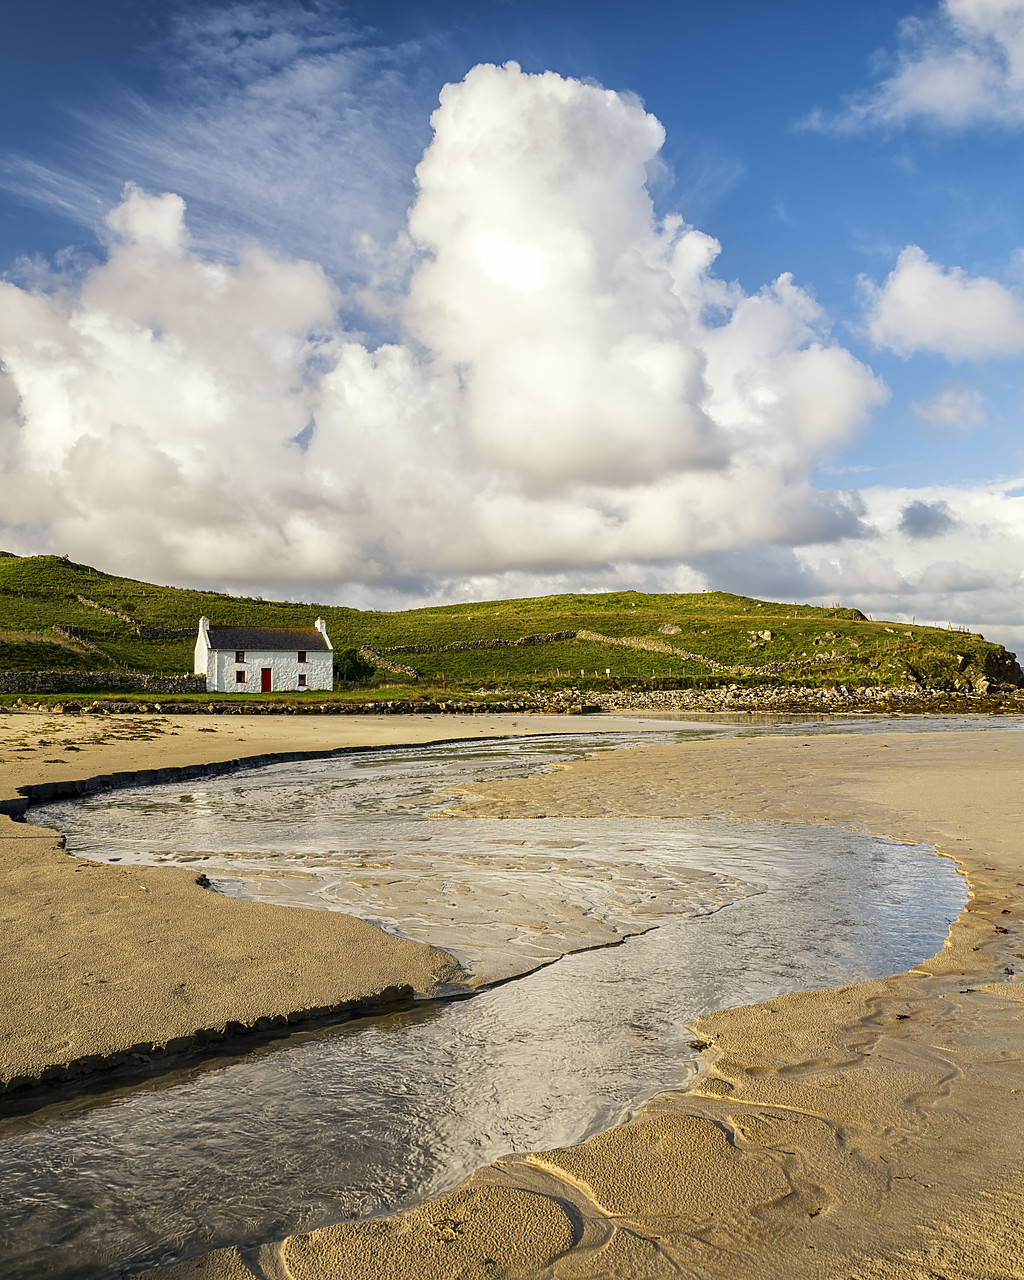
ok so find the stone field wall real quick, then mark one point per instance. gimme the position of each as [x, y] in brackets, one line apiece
[89, 681]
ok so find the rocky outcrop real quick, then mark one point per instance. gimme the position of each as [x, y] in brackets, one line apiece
[1000, 667]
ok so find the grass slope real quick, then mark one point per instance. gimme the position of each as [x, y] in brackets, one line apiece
[101, 612]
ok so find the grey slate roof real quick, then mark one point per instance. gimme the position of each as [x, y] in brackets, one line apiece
[268, 638]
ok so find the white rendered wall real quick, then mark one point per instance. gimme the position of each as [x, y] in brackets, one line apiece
[221, 667]
[202, 662]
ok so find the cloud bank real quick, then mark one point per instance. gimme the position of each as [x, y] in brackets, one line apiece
[939, 552]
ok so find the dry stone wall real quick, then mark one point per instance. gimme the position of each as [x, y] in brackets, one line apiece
[114, 613]
[642, 643]
[93, 681]
[142, 631]
[378, 658]
[74, 634]
[548, 637]
[761, 699]
[164, 633]
[373, 656]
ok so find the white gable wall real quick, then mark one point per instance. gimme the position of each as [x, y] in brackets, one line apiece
[285, 666]
[201, 664]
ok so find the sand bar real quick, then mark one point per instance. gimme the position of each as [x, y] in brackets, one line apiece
[108, 965]
[870, 1131]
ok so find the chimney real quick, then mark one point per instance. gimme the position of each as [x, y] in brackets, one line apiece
[321, 626]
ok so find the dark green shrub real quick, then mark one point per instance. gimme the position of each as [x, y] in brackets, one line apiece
[350, 668]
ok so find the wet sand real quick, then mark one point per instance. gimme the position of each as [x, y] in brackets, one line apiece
[870, 1131]
[107, 966]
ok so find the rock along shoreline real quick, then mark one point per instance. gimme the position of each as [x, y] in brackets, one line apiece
[994, 699]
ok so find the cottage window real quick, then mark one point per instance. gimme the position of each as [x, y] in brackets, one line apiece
[302, 655]
[239, 655]
[239, 677]
[302, 681]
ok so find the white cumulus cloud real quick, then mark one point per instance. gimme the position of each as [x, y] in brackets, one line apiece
[963, 66]
[924, 307]
[955, 405]
[571, 387]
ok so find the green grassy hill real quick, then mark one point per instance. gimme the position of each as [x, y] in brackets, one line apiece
[690, 640]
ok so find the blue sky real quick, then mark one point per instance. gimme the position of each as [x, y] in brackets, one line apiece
[869, 152]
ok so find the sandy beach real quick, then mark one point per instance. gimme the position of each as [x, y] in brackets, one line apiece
[110, 966]
[869, 1131]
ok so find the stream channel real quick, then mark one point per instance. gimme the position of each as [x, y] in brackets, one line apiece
[378, 1113]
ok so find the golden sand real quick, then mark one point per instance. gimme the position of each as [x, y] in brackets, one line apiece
[107, 965]
[870, 1131]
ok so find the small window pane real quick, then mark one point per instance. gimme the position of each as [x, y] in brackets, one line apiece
[302, 682]
[239, 655]
[239, 677]
[302, 655]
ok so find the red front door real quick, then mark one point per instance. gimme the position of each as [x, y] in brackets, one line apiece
[264, 680]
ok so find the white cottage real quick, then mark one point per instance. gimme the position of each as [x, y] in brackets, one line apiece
[264, 659]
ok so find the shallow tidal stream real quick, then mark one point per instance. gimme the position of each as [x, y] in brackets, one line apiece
[379, 1113]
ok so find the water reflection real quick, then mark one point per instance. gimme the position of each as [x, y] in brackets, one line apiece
[375, 1115]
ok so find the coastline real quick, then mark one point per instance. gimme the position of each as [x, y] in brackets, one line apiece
[872, 1129]
[988, 698]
